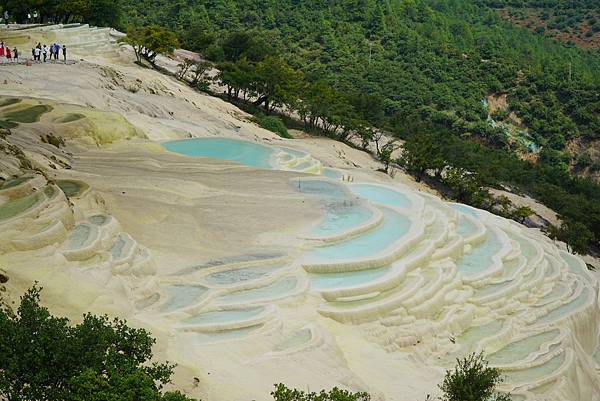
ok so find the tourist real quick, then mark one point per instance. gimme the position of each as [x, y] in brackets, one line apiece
[8, 55]
[16, 55]
[64, 50]
[36, 52]
[57, 51]
[2, 51]
[45, 52]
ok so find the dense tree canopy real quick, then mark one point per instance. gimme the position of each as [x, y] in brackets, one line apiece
[44, 358]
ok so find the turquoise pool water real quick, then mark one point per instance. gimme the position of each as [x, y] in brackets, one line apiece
[247, 153]
[565, 309]
[341, 217]
[79, 236]
[347, 279]
[394, 227]
[381, 195]
[465, 227]
[464, 209]
[333, 173]
[480, 257]
[117, 247]
[276, 289]
[574, 264]
[224, 316]
[476, 333]
[180, 296]
[234, 276]
[521, 349]
[534, 373]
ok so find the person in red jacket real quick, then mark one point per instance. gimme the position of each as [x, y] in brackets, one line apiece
[2, 51]
[8, 54]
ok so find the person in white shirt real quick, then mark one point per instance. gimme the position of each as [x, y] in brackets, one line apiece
[45, 52]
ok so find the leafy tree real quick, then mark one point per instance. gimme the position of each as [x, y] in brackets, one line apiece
[150, 41]
[472, 380]
[282, 393]
[46, 359]
[420, 153]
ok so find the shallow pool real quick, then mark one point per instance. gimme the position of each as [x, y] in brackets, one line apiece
[381, 195]
[247, 153]
[346, 279]
[521, 349]
[341, 217]
[464, 209]
[234, 276]
[565, 309]
[274, 290]
[224, 316]
[529, 375]
[476, 333]
[180, 296]
[79, 236]
[394, 227]
[480, 257]
[466, 227]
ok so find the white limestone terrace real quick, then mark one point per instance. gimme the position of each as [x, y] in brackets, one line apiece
[311, 268]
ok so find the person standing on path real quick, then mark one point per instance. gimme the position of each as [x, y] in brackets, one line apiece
[45, 52]
[2, 51]
[16, 55]
[64, 50]
[37, 51]
[8, 55]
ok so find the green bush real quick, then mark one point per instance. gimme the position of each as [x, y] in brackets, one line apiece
[273, 124]
[472, 380]
[44, 358]
[282, 393]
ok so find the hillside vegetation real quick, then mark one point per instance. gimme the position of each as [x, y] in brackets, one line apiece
[575, 22]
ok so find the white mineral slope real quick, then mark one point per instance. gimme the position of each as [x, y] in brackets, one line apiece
[208, 255]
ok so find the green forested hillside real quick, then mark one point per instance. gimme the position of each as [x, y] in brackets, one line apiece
[575, 22]
[416, 66]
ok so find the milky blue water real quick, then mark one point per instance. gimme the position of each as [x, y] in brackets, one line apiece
[537, 372]
[248, 153]
[480, 257]
[276, 289]
[381, 195]
[224, 316]
[234, 276]
[341, 217]
[464, 209]
[180, 296]
[394, 227]
[465, 227]
[521, 349]
[566, 309]
[346, 279]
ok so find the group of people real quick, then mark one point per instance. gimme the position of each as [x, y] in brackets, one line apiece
[38, 53]
[49, 52]
[7, 55]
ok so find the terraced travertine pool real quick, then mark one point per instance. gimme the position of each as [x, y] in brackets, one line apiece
[520, 350]
[436, 273]
[224, 316]
[381, 238]
[381, 195]
[247, 153]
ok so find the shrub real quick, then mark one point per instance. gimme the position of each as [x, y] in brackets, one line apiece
[282, 393]
[273, 124]
[472, 380]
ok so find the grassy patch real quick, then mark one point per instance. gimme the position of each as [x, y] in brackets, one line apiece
[14, 182]
[273, 124]
[9, 101]
[71, 187]
[17, 206]
[28, 115]
[7, 124]
[70, 117]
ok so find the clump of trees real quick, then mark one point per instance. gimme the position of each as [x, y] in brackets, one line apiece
[150, 41]
[94, 12]
[283, 393]
[45, 358]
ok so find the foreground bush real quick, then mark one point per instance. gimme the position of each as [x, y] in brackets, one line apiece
[282, 393]
[44, 358]
[472, 380]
